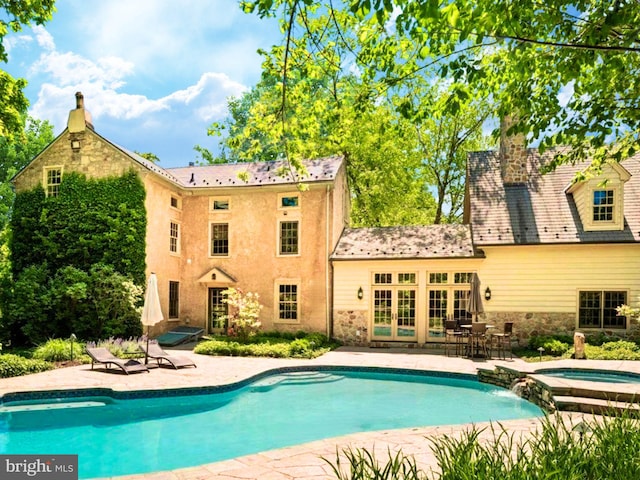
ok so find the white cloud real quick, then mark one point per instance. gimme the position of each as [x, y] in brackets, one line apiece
[44, 38]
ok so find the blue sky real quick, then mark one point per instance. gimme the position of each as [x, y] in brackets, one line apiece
[154, 73]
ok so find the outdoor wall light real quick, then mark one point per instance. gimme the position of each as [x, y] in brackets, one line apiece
[487, 294]
[360, 293]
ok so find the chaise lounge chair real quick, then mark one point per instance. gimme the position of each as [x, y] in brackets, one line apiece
[103, 356]
[156, 352]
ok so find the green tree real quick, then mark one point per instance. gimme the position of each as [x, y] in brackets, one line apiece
[13, 103]
[569, 70]
[309, 105]
[15, 154]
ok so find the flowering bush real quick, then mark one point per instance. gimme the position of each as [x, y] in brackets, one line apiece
[244, 312]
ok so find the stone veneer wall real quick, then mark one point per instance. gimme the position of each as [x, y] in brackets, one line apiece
[347, 324]
[531, 324]
[524, 387]
[513, 154]
[95, 158]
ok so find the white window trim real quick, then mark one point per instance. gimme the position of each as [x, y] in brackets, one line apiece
[210, 253]
[178, 238]
[45, 176]
[279, 238]
[617, 222]
[178, 201]
[276, 297]
[212, 201]
[291, 194]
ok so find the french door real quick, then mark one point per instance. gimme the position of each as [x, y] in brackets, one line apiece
[394, 313]
[448, 303]
[217, 310]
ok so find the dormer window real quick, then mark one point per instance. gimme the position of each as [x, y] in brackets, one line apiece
[603, 203]
[600, 199]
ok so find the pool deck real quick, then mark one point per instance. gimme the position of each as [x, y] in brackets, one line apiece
[305, 461]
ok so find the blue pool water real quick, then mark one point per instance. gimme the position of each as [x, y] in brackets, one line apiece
[118, 437]
[593, 375]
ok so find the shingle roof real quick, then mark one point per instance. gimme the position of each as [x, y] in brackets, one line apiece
[430, 241]
[256, 173]
[540, 212]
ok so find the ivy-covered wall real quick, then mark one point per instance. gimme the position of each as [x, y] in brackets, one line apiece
[90, 221]
[78, 260]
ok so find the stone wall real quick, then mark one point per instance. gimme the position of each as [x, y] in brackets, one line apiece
[94, 158]
[351, 327]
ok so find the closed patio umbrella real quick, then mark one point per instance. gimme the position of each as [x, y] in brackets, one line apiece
[474, 306]
[151, 311]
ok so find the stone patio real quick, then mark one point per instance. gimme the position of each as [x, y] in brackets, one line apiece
[300, 462]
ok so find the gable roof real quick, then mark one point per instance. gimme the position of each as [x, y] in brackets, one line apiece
[256, 173]
[540, 211]
[408, 242]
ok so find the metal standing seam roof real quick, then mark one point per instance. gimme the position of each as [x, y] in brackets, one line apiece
[409, 242]
[256, 173]
[540, 211]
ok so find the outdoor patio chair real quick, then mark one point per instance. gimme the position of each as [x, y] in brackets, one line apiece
[452, 337]
[155, 351]
[502, 341]
[103, 356]
[477, 344]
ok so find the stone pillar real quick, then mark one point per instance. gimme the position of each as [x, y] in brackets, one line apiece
[513, 153]
[578, 345]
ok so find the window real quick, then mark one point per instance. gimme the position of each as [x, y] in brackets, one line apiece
[603, 205]
[174, 236]
[174, 202]
[289, 238]
[218, 204]
[288, 302]
[462, 277]
[219, 239]
[174, 299]
[438, 278]
[53, 179]
[407, 278]
[597, 309]
[381, 278]
[289, 201]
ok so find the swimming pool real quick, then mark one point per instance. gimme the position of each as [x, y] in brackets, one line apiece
[137, 435]
[605, 376]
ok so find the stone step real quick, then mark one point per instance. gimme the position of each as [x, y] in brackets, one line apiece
[594, 405]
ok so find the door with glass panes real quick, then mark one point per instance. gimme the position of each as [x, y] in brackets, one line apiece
[394, 297]
[448, 297]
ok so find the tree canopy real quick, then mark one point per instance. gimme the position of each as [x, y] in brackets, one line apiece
[310, 103]
[569, 70]
[13, 103]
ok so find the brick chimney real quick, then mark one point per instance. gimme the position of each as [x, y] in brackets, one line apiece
[79, 119]
[513, 153]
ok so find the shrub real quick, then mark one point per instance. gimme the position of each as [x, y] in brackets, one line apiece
[120, 347]
[58, 350]
[15, 365]
[555, 345]
[620, 350]
[243, 320]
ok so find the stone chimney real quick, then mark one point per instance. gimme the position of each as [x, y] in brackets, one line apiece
[79, 119]
[513, 153]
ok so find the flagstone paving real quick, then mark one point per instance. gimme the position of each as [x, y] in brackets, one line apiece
[300, 462]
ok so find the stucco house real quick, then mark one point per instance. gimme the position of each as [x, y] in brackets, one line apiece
[250, 226]
[553, 255]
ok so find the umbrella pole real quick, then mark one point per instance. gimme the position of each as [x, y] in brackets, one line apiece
[146, 352]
